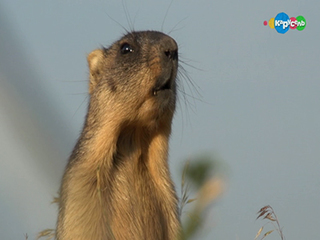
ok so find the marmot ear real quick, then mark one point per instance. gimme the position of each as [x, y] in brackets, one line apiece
[94, 59]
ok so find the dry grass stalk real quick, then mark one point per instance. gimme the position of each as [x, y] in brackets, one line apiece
[267, 212]
[47, 233]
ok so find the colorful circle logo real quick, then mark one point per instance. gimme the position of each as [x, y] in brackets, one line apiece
[282, 23]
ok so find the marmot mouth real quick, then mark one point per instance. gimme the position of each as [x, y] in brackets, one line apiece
[166, 85]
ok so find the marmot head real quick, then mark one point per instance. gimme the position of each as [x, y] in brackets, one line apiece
[135, 76]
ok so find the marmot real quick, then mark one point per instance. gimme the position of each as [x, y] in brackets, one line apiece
[117, 183]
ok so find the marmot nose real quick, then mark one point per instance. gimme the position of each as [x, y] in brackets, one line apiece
[171, 54]
[169, 47]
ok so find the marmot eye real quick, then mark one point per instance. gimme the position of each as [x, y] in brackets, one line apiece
[126, 48]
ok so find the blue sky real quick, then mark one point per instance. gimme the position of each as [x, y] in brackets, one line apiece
[258, 109]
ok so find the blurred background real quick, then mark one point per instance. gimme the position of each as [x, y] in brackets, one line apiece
[252, 105]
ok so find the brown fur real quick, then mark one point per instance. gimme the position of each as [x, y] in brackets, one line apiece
[117, 183]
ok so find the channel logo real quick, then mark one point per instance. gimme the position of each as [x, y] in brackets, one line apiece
[282, 23]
